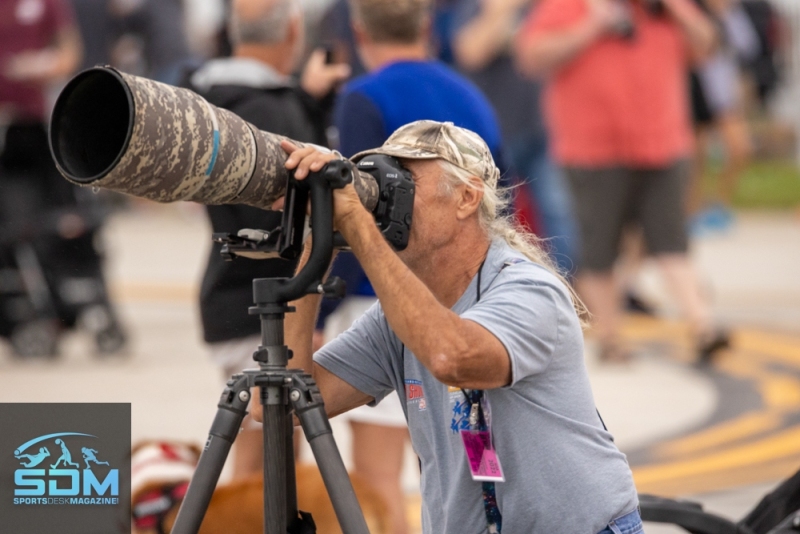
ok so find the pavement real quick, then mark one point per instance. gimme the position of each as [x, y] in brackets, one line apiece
[722, 436]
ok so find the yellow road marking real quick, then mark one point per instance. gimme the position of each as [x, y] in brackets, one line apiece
[741, 428]
[782, 445]
[741, 476]
[746, 449]
[777, 347]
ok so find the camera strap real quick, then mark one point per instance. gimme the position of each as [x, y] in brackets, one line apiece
[479, 449]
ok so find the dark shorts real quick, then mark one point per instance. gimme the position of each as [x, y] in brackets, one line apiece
[609, 200]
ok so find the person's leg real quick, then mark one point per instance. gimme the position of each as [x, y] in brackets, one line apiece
[736, 137]
[601, 201]
[664, 227]
[248, 450]
[695, 198]
[627, 269]
[600, 293]
[682, 283]
[378, 458]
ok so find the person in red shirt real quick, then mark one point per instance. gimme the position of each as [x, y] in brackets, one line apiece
[617, 106]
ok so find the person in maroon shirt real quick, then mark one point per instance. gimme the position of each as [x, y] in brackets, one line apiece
[40, 212]
[39, 44]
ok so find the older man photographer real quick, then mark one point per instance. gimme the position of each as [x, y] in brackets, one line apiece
[482, 341]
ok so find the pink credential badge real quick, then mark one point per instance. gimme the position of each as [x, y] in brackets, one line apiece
[483, 461]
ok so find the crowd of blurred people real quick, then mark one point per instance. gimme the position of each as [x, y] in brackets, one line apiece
[600, 112]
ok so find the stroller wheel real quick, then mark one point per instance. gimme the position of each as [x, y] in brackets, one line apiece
[110, 340]
[99, 320]
[35, 339]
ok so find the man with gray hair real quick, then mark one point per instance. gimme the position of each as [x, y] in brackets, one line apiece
[481, 339]
[256, 84]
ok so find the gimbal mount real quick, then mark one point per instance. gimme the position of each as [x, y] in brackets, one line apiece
[282, 390]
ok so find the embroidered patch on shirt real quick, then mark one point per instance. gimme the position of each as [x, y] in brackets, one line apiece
[461, 407]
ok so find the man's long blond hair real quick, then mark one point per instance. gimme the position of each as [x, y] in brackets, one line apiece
[495, 220]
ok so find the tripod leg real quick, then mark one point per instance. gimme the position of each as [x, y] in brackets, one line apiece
[231, 410]
[277, 463]
[291, 479]
[308, 405]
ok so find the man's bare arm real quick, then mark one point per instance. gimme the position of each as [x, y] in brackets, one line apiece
[700, 33]
[487, 35]
[51, 63]
[456, 351]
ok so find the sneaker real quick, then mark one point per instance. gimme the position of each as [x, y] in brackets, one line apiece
[717, 218]
[634, 304]
[720, 218]
[707, 350]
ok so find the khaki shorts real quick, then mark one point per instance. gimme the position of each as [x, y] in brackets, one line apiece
[609, 200]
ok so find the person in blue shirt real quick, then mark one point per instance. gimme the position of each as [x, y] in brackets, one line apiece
[403, 84]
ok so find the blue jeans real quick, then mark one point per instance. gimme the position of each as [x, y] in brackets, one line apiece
[547, 186]
[630, 523]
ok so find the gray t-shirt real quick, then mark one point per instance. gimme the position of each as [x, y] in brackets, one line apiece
[563, 472]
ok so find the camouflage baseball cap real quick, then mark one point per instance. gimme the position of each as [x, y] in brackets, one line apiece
[440, 140]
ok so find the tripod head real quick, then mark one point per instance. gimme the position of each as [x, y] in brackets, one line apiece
[317, 187]
[392, 212]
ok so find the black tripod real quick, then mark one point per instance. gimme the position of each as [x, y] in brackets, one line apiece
[282, 390]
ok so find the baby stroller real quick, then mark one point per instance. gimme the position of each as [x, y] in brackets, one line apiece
[777, 513]
[50, 269]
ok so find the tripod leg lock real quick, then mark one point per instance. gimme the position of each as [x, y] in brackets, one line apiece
[307, 402]
[232, 408]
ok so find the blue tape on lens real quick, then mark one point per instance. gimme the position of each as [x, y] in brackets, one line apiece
[213, 153]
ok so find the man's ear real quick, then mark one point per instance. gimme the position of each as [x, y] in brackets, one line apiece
[469, 198]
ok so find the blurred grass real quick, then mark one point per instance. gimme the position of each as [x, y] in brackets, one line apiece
[765, 184]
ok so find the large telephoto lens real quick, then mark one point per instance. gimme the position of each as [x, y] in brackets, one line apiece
[129, 134]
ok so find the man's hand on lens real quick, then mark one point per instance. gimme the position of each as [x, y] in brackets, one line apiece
[307, 160]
